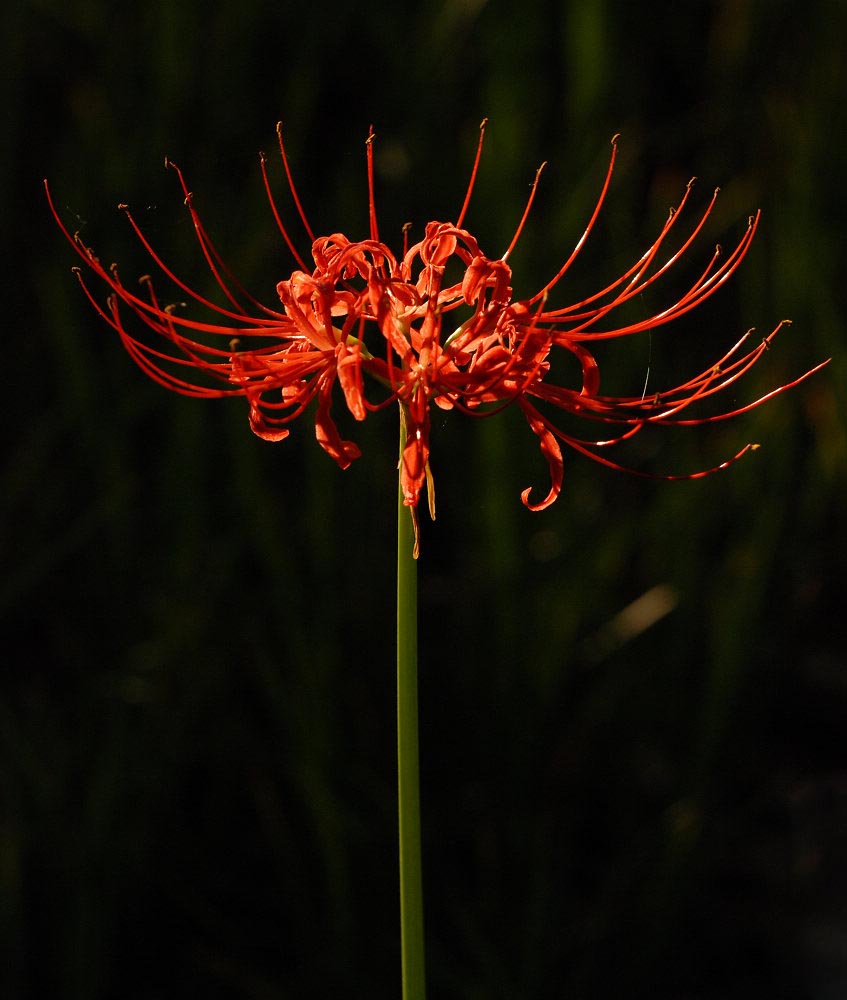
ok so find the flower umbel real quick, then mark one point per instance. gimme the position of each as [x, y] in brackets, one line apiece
[436, 324]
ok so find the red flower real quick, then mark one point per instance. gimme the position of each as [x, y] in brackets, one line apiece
[361, 313]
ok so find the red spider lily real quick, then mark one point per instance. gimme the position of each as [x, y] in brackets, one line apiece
[363, 311]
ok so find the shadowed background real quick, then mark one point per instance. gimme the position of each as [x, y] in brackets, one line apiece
[634, 777]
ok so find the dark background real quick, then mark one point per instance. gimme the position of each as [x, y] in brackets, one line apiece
[196, 712]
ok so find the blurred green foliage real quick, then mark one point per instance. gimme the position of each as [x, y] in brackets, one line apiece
[196, 711]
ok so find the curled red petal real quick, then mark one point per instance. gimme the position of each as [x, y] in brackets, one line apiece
[550, 450]
[415, 458]
[261, 428]
[348, 361]
[344, 452]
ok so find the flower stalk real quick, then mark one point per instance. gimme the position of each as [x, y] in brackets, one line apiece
[408, 781]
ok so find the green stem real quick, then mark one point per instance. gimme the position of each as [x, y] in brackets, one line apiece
[408, 791]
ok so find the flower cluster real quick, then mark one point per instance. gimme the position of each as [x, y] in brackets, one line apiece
[387, 328]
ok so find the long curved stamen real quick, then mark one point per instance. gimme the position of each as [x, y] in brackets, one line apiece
[525, 215]
[263, 162]
[628, 280]
[581, 242]
[705, 285]
[214, 260]
[291, 185]
[369, 143]
[474, 170]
